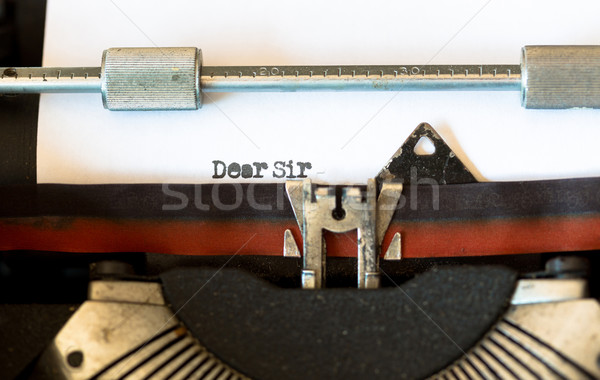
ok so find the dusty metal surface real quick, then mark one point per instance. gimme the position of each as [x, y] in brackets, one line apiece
[552, 331]
[119, 335]
[125, 330]
[549, 290]
[557, 340]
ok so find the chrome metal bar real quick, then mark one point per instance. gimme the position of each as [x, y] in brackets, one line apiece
[49, 80]
[361, 78]
[286, 78]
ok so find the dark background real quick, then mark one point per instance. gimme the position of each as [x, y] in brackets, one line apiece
[21, 41]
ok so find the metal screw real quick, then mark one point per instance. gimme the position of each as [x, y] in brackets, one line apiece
[338, 214]
[75, 358]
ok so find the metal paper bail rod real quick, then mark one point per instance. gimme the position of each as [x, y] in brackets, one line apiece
[174, 79]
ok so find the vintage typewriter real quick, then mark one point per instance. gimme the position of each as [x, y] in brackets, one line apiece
[419, 272]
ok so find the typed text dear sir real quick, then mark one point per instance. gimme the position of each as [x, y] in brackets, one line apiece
[278, 169]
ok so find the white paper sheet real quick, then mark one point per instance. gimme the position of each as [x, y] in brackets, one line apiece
[347, 137]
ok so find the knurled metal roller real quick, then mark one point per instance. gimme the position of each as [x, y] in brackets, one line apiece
[151, 78]
[174, 78]
[560, 77]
